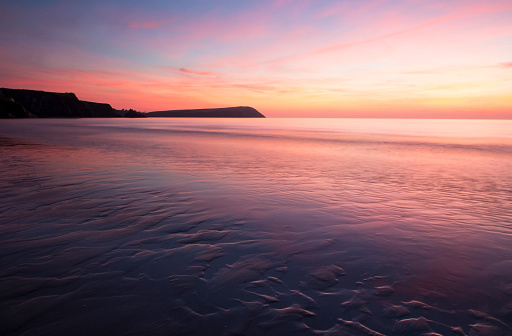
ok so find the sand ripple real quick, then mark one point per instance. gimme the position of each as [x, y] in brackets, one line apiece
[193, 233]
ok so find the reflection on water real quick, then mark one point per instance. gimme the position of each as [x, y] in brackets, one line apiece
[250, 227]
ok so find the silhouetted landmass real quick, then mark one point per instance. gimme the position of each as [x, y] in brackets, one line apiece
[100, 110]
[226, 112]
[11, 109]
[131, 113]
[18, 103]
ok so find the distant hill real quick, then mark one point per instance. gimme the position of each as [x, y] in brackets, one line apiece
[226, 112]
[18, 103]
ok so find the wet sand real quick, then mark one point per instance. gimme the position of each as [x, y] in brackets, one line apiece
[189, 229]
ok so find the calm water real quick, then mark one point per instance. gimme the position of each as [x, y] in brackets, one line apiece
[251, 227]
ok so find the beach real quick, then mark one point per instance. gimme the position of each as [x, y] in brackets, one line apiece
[250, 227]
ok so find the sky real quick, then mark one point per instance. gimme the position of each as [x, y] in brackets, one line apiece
[302, 58]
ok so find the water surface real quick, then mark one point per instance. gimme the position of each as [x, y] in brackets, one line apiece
[250, 227]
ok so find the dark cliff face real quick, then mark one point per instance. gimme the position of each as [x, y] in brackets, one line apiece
[10, 109]
[99, 110]
[18, 103]
[48, 104]
[44, 104]
[227, 112]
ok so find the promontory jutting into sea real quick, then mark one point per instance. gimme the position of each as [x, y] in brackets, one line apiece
[217, 226]
[17, 103]
[256, 168]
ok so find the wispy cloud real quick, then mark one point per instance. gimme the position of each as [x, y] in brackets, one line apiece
[457, 14]
[279, 54]
[194, 72]
[150, 24]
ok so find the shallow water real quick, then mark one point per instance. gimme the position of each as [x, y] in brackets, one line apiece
[250, 227]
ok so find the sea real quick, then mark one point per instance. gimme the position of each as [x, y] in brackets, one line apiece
[171, 226]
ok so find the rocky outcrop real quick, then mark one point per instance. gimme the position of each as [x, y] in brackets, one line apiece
[99, 110]
[44, 104]
[226, 112]
[134, 114]
[11, 109]
[19, 103]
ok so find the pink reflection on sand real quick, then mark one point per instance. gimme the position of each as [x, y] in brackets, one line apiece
[269, 221]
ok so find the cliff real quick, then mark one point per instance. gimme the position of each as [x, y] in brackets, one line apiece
[99, 110]
[17, 103]
[11, 109]
[226, 112]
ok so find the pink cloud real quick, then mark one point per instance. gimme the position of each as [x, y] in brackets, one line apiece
[397, 26]
[292, 54]
[193, 72]
[199, 73]
[150, 24]
[467, 12]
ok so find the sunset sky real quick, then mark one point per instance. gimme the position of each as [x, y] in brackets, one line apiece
[303, 58]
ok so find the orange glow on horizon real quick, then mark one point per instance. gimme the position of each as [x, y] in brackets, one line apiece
[287, 59]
